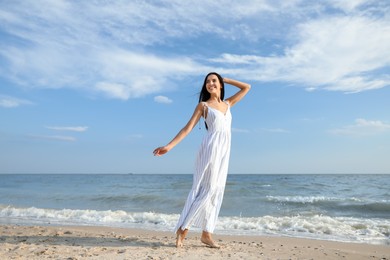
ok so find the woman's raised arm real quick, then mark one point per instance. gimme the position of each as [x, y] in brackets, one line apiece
[244, 88]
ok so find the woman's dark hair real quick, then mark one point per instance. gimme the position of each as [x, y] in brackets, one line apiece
[204, 94]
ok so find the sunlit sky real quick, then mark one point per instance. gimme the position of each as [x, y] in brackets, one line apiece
[95, 86]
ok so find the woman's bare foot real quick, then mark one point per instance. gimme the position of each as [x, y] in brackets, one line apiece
[208, 241]
[179, 242]
[180, 236]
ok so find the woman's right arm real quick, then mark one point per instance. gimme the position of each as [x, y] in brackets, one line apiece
[182, 133]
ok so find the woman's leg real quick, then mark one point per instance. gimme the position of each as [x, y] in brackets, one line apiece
[180, 236]
[207, 239]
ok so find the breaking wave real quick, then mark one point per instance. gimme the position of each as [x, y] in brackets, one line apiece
[348, 229]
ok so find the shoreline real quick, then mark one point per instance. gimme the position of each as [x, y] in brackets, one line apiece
[98, 242]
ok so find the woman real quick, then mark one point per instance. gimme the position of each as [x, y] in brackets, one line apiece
[205, 198]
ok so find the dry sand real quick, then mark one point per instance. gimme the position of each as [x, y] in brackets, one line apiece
[65, 242]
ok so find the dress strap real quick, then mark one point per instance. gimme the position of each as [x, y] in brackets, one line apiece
[204, 109]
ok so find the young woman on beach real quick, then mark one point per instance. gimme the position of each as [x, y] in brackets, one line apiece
[205, 198]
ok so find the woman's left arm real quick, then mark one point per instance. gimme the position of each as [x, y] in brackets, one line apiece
[244, 88]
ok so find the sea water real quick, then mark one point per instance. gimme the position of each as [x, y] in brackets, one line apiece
[340, 207]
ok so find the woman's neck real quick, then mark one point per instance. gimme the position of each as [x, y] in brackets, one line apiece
[215, 98]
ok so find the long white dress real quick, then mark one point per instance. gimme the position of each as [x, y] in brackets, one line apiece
[205, 198]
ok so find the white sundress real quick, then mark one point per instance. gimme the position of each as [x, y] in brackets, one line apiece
[205, 198]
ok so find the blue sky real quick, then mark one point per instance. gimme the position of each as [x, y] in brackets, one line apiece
[95, 86]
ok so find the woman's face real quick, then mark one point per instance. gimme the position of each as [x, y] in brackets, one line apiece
[213, 85]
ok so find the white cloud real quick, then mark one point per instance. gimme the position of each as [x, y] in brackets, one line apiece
[134, 137]
[11, 102]
[348, 54]
[98, 52]
[275, 130]
[239, 130]
[106, 48]
[61, 137]
[362, 127]
[69, 44]
[68, 128]
[54, 137]
[131, 75]
[113, 90]
[347, 6]
[162, 100]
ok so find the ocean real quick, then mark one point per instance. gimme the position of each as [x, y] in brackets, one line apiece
[339, 207]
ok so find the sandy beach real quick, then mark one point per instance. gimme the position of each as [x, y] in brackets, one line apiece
[75, 242]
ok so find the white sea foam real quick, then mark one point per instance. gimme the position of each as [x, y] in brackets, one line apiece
[321, 227]
[87, 217]
[310, 199]
[318, 226]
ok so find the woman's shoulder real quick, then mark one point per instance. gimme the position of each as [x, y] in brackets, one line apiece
[201, 106]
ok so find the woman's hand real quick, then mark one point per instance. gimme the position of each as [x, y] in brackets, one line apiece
[160, 151]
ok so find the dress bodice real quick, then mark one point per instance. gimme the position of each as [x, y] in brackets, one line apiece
[218, 121]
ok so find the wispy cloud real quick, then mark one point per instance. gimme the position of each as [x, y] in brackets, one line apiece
[112, 49]
[11, 102]
[61, 47]
[68, 128]
[362, 127]
[54, 137]
[348, 54]
[275, 130]
[128, 74]
[162, 100]
[240, 130]
[61, 137]
[134, 137]
[113, 90]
